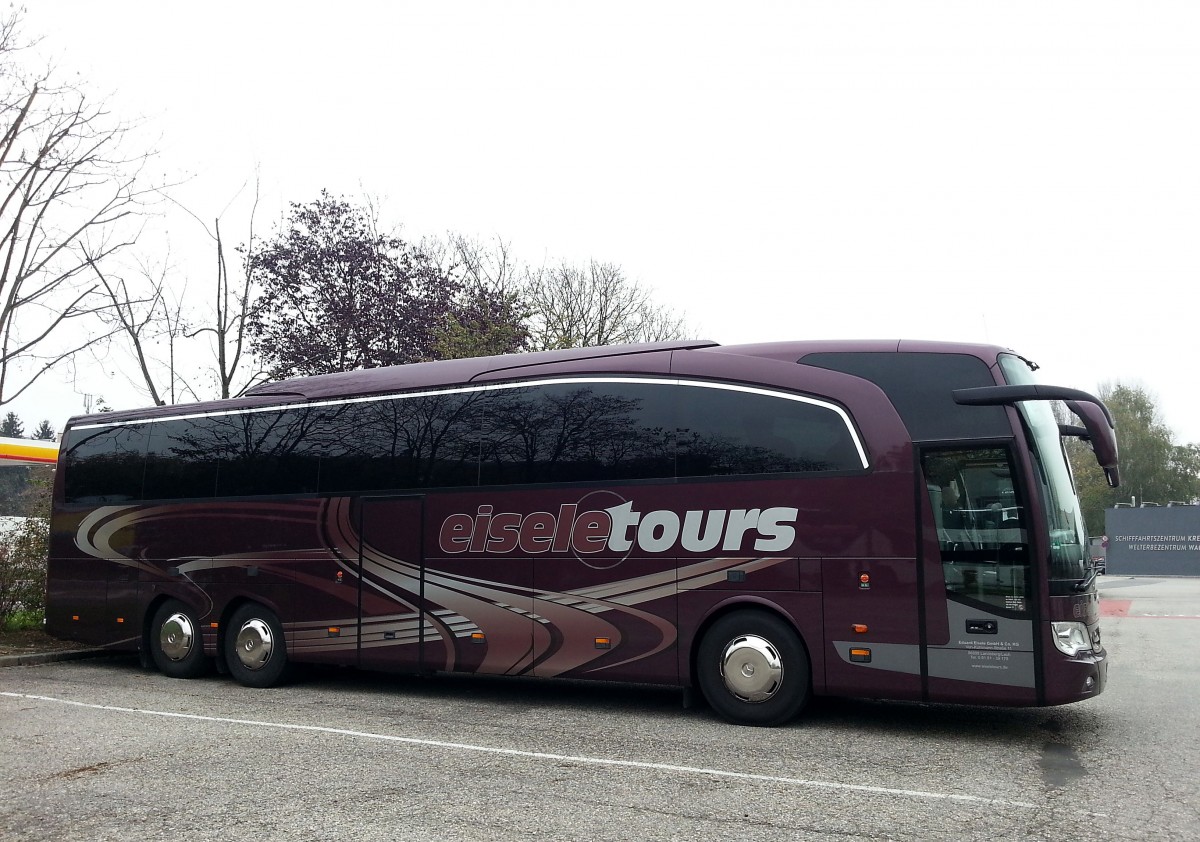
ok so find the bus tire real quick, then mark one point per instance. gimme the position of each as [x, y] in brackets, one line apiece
[753, 670]
[176, 646]
[255, 650]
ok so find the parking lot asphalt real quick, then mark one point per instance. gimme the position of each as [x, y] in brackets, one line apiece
[101, 749]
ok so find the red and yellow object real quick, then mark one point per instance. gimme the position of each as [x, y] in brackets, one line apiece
[28, 452]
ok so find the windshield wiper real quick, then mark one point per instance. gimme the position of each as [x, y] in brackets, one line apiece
[1086, 583]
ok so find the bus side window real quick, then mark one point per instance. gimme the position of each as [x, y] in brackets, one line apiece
[263, 453]
[181, 460]
[724, 432]
[587, 432]
[105, 465]
[400, 443]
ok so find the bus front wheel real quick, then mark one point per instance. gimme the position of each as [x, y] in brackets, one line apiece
[255, 651]
[175, 643]
[753, 670]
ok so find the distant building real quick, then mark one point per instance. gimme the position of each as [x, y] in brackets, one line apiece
[1153, 541]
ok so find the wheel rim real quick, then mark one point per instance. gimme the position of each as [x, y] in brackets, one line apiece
[176, 637]
[255, 643]
[751, 668]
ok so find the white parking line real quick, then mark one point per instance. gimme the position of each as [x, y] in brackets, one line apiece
[541, 755]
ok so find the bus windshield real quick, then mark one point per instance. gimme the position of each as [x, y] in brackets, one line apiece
[1068, 560]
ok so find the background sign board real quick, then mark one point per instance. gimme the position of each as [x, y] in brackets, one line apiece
[1154, 541]
[27, 452]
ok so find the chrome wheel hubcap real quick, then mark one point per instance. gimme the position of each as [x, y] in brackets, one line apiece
[751, 668]
[255, 642]
[176, 637]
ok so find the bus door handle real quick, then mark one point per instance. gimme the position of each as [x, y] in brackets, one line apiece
[982, 627]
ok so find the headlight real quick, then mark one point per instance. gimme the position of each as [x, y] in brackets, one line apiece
[1071, 638]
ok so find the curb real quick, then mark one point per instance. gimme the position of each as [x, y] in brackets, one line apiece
[49, 657]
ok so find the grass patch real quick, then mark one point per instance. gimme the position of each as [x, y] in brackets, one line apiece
[24, 621]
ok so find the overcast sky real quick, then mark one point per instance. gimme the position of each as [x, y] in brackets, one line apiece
[1025, 174]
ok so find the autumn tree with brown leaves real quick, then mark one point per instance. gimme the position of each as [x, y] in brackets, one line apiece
[337, 294]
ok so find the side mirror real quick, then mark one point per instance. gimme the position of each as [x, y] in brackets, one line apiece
[1102, 435]
[1097, 420]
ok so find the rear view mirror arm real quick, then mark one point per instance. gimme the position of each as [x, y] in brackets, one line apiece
[1097, 420]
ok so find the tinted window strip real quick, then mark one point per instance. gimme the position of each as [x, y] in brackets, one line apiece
[495, 387]
[162, 464]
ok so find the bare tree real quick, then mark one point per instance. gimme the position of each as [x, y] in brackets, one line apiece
[225, 321]
[475, 262]
[231, 311]
[146, 314]
[492, 316]
[69, 193]
[578, 306]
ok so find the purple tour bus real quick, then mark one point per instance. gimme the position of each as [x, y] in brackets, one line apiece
[763, 522]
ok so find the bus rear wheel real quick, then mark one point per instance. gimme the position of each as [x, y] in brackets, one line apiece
[255, 651]
[753, 670]
[175, 643]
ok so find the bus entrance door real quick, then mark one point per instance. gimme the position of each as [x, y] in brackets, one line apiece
[978, 602]
[458, 612]
[392, 626]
